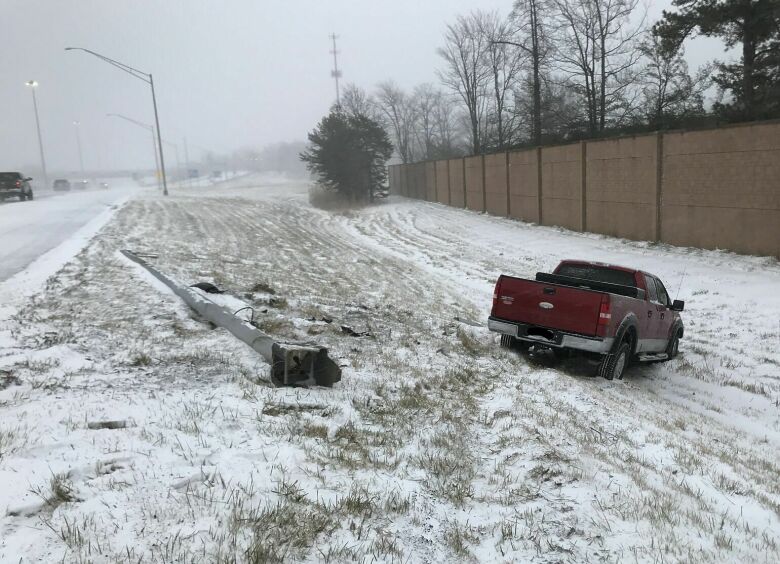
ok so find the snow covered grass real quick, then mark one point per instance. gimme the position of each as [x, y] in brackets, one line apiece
[436, 445]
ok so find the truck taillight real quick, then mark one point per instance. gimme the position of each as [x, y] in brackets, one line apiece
[604, 313]
[497, 291]
[605, 316]
[18, 184]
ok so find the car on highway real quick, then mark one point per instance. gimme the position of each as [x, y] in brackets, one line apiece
[61, 185]
[82, 184]
[104, 185]
[15, 185]
[612, 314]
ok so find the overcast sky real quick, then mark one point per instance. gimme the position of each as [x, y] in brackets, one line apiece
[229, 74]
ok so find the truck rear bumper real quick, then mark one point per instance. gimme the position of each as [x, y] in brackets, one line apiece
[550, 337]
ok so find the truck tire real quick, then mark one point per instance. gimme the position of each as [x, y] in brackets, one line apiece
[614, 365]
[673, 347]
[561, 354]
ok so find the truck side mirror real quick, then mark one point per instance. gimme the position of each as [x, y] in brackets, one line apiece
[28, 179]
[678, 305]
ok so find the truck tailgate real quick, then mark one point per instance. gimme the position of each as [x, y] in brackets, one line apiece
[574, 310]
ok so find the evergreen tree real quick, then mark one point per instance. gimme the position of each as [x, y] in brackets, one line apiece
[348, 153]
[753, 84]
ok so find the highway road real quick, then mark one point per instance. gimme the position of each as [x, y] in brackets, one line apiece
[30, 229]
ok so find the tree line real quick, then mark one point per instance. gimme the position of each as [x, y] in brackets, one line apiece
[562, 70]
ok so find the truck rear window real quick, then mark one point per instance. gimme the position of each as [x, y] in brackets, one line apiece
[9, 176]
[597, 274]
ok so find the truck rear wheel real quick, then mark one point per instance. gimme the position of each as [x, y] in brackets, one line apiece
[673, 347]
[613, 365]
[561, 354]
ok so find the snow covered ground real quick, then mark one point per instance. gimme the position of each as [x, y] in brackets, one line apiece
[435, 446]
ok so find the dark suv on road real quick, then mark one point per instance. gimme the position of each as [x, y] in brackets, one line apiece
[61, 185]
[15, 185]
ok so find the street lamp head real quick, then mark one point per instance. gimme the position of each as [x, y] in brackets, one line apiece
[31, 83]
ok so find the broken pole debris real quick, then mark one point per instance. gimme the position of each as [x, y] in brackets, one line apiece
[292, 364]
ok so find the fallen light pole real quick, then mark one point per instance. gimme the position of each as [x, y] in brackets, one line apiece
[292, 364]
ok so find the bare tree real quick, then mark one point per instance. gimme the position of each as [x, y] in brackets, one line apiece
[504, 65]
[356, 101]
[560, 109]
[465, 72]
[424, 99]
[669, 92]
[598, 51]
[533, 36]
[446, 125]
[400, 117]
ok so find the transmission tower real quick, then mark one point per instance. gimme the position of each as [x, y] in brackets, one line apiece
[336, 73]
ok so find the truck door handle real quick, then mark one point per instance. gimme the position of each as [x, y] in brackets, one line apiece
[549, 291]
[662, 315]
[649, 314]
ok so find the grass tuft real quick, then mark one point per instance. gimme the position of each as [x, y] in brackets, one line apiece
[140, 359]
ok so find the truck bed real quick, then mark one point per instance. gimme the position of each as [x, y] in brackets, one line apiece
[564, 307]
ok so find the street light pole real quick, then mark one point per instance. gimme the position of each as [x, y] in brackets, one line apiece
[178, 162]
[159, 138]
[150, 129]
[157, 173]
[187, 159]
[147, 78]
[78, 143]
[33, 84]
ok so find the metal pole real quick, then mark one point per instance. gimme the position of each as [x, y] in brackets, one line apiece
[146, 77]
[78, 142]
[159, 138]
[187, 160]
[291, 364]
[40, 139]
[336, 73]
[156, 160]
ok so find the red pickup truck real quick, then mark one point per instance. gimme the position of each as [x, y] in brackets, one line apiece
[613, 314]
